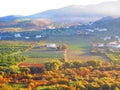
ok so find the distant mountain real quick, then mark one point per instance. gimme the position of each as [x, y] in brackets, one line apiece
[81, 14]
[68, 14]
[10, 18]
[64, 17]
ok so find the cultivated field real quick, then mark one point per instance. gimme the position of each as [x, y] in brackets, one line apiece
[79, 48]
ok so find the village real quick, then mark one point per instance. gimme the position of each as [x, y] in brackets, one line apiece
[20, 36]
[109, 42]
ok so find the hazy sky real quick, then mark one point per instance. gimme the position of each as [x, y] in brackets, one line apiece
[27, 7]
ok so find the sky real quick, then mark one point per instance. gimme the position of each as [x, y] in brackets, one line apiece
[28, 7]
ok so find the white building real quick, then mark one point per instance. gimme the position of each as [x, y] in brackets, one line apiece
[52, 45]
[51, 27]
[90, 30]
[114, 45]
[38, 36]
[17, 35]
[107, 38]
[101, 45]
[101, 29]
[117, 46]
[27, 37]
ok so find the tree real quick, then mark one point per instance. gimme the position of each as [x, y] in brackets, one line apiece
[77, 64]
[80, 86]
[37, 70]
[6, 87]
[14, 69]
[106, 86]
[64, 48]
[94, 63]
[25, 70]
[69, 64]
[54, 65]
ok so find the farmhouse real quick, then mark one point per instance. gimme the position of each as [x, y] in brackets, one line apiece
[114, 44]
[52, 45]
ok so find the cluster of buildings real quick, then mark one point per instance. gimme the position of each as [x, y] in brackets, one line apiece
[97, 29]
[111, 45]
[87, 31]
[48, 46]
[18, 36]
[109, 38]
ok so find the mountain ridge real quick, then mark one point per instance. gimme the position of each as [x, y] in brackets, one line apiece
[66, 16]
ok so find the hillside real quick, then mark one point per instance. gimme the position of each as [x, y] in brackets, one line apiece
[108, 22]
[23, 23]
[112, 25]
[63, 17]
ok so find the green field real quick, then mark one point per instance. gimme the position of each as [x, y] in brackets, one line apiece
[79, 48]
[41, 56]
